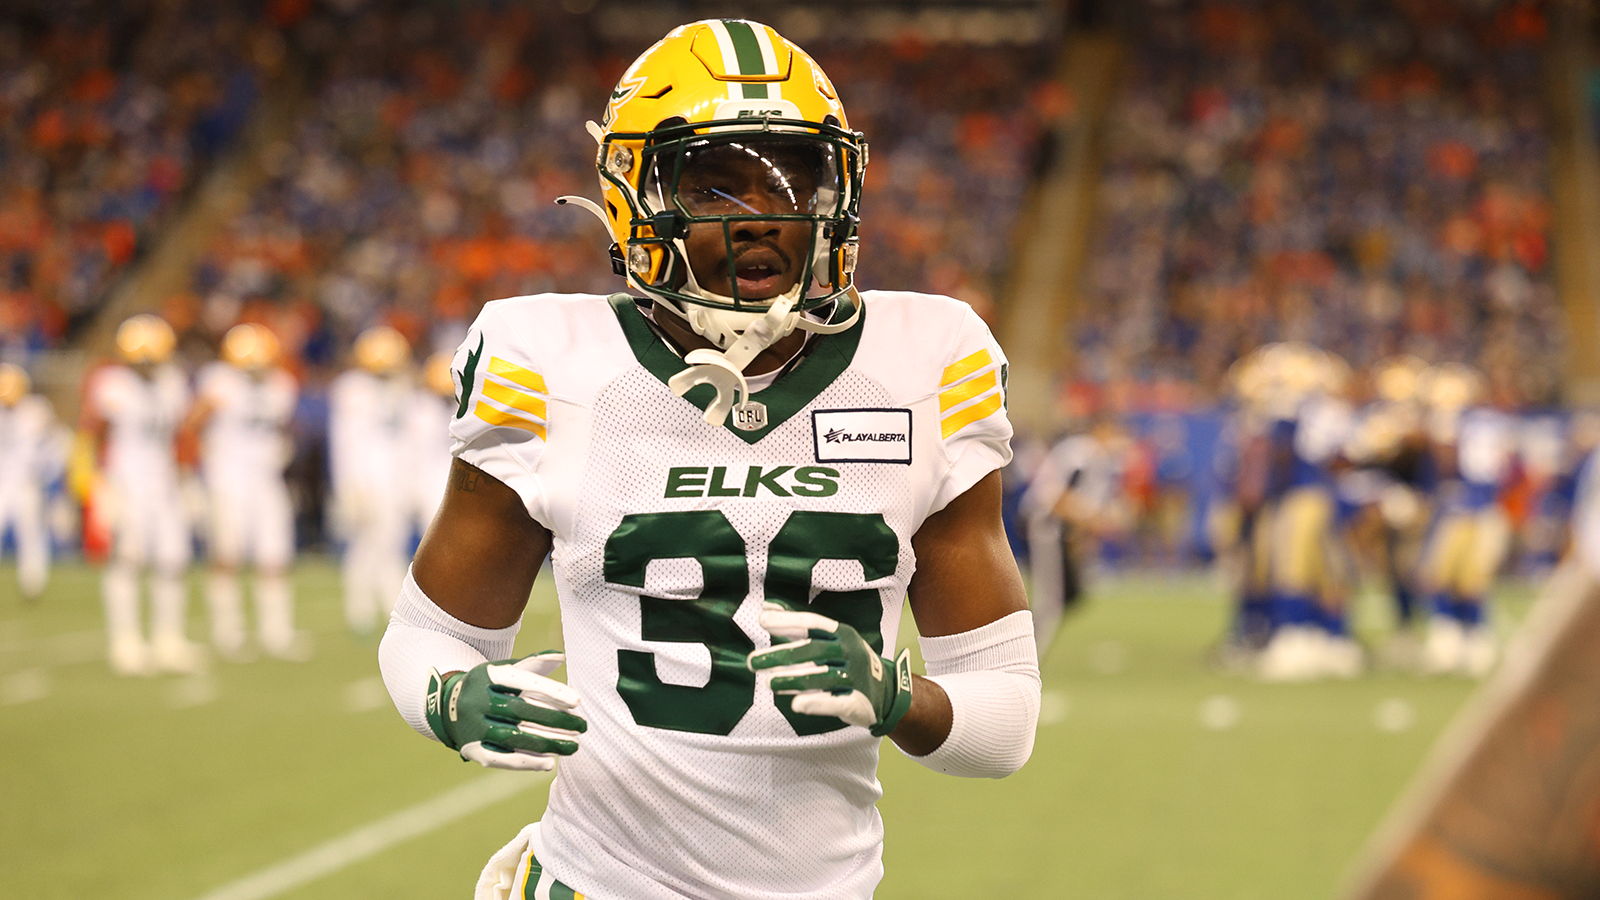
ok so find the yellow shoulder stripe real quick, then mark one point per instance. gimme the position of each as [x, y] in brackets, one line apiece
[516, 399]
[966, 390]
[959, 420]
[521, 393]
[517, 375]
[501, 418]
[964, 367]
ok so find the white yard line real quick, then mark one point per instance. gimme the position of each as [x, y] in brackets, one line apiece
[369, 840]
[193, 691]
[365, 695]
[24, 687]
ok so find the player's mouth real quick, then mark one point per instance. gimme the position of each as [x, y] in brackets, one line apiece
[761, 273]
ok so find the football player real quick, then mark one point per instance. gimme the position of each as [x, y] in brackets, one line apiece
[1078, 499]
[1311, 424]
[246, 401]
[742, 466]
[132, 412]
[1473, 444]
[433, 405]
[1240, 525]
[372, 480]
[27, 442]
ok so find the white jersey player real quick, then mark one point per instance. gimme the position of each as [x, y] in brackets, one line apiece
[133, 412]
[742, 472]
[242, 414]
[433, 406]
[29, 449]
[372, 473]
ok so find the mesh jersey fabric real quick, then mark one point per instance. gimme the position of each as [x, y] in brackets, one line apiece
[669, 533]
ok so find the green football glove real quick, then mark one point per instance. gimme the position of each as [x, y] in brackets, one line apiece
[508, 714]
[831, 670]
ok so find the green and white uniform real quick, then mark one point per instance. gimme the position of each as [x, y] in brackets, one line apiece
[694, 779]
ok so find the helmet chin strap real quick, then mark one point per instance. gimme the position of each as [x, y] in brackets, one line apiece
[724, 369]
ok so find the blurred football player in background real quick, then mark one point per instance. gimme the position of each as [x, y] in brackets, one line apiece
[1471, 444]
[27, 448]
[1076, 501]
[1240, 525]
[1388, 482]
[132, 412]
[428, 426]
[373, 482]
[242, 414]
[1311, 420]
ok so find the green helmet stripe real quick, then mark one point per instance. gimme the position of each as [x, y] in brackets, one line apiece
[747, 55]
[746, 51]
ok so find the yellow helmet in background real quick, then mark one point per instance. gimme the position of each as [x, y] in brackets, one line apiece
[436, 375]
[1452, 387]
[145, 339]
[1247, 378]
[1333, 372]
[1399, 379]
[711, 86]
[14, 384]
[251, 347]
[381, 350]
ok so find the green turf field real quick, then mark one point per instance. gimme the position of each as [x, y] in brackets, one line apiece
[1153, 777]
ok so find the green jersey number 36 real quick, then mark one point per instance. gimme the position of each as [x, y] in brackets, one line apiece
[806, 538]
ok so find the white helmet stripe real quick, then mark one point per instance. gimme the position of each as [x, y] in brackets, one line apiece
[741, 43]
[769, 59]
[730, 60]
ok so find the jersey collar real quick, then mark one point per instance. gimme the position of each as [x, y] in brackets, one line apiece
[825, 361]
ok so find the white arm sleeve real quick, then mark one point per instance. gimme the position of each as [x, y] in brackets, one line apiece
[422, 637]
[991, 675]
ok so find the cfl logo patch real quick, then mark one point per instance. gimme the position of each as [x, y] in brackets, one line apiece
[750, 416]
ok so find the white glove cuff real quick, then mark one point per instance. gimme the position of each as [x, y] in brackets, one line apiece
[991, 675]
[422, 637]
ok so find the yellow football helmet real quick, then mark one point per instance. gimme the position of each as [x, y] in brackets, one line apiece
[1399, 379]
[723, 89]
[250, 347]
[145, 339]
[1452, 387]
[14, 384]
[381, 350]
[436, 374]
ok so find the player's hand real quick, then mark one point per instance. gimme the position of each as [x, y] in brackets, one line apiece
[831, 670]
[508, 714]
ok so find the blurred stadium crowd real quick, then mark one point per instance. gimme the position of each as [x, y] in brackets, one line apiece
[1322, 256]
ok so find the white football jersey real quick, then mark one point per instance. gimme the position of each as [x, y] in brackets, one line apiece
[693, 779]
[143, 414]
[245, 440]
[428, 424]
[26, 442]
[367, 438]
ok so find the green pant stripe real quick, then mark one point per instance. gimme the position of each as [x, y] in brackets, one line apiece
[531, 890]
[558, 891]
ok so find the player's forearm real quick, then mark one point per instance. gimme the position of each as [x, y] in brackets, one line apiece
[979, 705]
[927, 722]
[422, 638]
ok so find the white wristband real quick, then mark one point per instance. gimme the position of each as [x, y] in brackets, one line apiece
[422, 637]
[991, 675]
